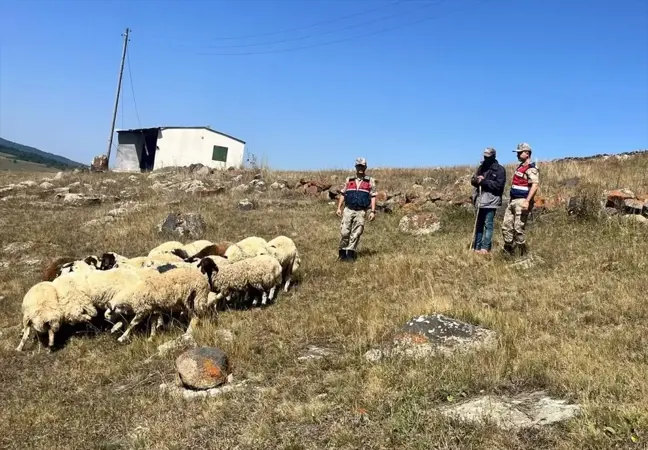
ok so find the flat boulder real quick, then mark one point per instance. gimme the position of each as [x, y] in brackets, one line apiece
[435, 334]
[183, 224]
[617, 198]
[202, 368]
[525, 410]
[419, 224]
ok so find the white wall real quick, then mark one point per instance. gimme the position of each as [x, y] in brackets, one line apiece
[186, 146]
[128, 154]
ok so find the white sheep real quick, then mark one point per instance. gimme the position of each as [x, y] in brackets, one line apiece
[284, 249]
[262, 273]
[111, 260]
[49, 304]
[165, 247]
[180, 289]
[247, 248]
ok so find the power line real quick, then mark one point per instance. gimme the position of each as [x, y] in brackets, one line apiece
[302, 27]
[321, 44]
[130, 78]
[308, 36]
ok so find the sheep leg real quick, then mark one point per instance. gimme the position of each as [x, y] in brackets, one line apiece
[287, 285]
[273, 291]
[159, 323]
[50, 342]
[25, 336]
[116, 327]
[136, 320]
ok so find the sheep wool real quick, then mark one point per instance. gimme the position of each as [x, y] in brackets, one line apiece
[284, 249]
[247, 248]
[49, 304]
[180, 289]
[262, 272]
[165, 247]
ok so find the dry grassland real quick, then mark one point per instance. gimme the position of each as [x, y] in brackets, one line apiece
[575, 325]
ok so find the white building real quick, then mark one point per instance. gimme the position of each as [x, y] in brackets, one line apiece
[145, 149]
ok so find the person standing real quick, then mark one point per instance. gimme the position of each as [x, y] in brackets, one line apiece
[488, 186]
[358, 196]
[523, 189]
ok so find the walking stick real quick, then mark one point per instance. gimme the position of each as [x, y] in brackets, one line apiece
[474, 233]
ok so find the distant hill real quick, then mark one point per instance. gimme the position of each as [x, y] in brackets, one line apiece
[25, 153]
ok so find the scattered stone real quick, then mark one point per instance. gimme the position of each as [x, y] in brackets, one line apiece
[633, 206]
[28, 183]
[188, 394]
[202, 368]
[314, 352]
[225, 335]
[184, 224]
[243, 188]
[435, 334]
[617, 198]
[46, 185]
[79, 199]
[419, 224]
[528, 262]
[31, 262]
[636, 218]
[99, 164]
[185, 341]
[528, 410]
[109, 181]
[16, 248]
[275, 186]
[59, 176]
[202, 172]
[101, 221]
[245, 205]
[237, 178]
[191, 186]
[373, 355]
[133, 178]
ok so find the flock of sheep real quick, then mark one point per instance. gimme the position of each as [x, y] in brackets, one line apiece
[194, 280]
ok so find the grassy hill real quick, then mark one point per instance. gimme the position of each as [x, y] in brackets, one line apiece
[13, 151]
[574, 325]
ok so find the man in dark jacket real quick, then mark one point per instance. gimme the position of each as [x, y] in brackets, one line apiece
[489, 179]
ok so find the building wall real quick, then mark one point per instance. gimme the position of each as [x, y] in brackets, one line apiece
[186, 146]
[128, 153]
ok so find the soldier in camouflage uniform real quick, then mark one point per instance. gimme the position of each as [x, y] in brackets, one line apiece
[523, 189]
[358, 195]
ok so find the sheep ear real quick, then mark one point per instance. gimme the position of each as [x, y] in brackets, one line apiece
[91, 261]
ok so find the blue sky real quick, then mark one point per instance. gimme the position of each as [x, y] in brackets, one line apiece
[570, 77]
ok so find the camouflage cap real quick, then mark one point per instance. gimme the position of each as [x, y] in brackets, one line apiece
[489, 151]
[361, 162]
[522, 147]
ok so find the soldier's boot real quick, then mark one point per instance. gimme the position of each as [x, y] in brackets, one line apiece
[508, 249]
[351, 255]
[522, 250]
[342, 255]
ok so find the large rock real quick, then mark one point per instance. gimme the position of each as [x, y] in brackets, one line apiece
[99, 164]
[617, 198]
[184, 224]
[79, 199]
[202, 368]
[527, 410]
[435, 334]
[419, 224]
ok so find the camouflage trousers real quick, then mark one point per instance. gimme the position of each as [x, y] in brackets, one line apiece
[351, 229]
[514, 222]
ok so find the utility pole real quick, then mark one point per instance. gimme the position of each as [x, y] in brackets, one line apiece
[121, 72]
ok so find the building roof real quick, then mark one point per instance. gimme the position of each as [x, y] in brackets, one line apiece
[132, 130]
